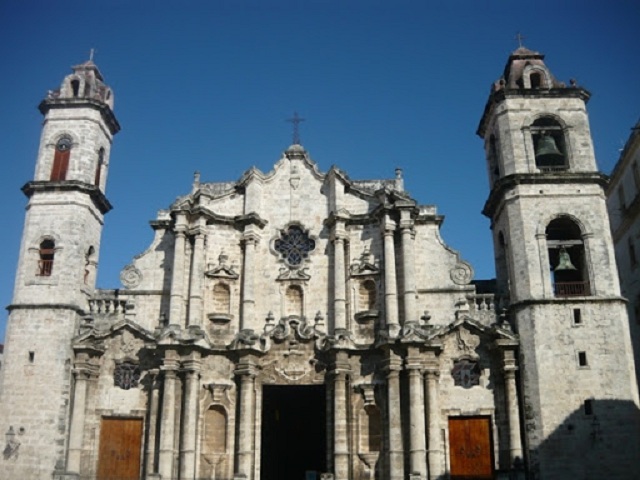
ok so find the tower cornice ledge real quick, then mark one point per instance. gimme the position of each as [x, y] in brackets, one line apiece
[107, 114]
[99, 199]
[565, 300]
[45, 306]
[498, 96]
[557, 178]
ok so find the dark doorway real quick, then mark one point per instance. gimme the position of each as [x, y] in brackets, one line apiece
[293, 432]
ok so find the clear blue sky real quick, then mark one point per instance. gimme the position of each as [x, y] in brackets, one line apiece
[208, 85]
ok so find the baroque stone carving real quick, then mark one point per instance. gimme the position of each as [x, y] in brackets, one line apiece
[126, 375]
[293, 362]
[466, 373]
[466, 341]
[130, 276]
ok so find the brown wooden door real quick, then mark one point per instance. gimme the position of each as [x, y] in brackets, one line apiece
[120, 444]
[470, 448]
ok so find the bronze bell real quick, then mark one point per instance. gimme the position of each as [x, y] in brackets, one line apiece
[564, 261]
[547, 152]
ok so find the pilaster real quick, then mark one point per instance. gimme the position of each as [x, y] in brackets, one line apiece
[390, 280]
[176, 307]
[190, 416]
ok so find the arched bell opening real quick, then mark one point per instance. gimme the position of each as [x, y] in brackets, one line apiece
[567, 259]
[549, 144]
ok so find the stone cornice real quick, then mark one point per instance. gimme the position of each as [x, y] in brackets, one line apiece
[105, 111]
[96, 195]
[45, 306]
[560, 178]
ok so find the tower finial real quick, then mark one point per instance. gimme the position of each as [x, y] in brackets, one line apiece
[91, 53]
[296, 120]
[520, 37]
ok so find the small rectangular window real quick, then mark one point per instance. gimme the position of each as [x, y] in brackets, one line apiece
[588, 407]
[577, 316]
[582, 359]
[32, 357]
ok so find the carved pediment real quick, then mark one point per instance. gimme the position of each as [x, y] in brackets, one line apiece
[222, 269]
[365, 265]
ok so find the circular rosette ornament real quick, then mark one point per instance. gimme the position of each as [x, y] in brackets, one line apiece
[130, 276]
[462, 273]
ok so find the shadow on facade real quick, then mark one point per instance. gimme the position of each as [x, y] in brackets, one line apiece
[599, 440]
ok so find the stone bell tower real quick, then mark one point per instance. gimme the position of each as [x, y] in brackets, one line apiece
[56, 272]
[556, 267]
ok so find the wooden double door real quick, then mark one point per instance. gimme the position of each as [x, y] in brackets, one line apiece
[120, 449]
[470, 448]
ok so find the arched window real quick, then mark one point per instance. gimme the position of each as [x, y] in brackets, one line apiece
[46, 254]
[61, 159]
[99, 164]
[367, 300]
[75, 87]
[549, 145]
[535, 79]
[567, 258]
[294, 300]
[221, 298]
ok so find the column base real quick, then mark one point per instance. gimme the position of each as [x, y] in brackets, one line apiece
[416, 476]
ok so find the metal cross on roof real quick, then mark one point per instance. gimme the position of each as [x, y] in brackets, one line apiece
[520, 37]
[296, 120]
[91, 53]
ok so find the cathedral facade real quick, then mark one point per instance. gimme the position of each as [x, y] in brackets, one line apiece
[299, 324]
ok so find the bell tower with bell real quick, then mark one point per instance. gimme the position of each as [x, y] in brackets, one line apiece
[556, 275]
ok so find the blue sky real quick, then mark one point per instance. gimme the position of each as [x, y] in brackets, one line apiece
[207, 86]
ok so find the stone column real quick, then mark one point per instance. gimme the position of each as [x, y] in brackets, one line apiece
[246, 421]
[511, 394]
[340, 422]
[150, 466]
[167, 428]
[417, 459]
[248, 298]
[176, 307]
[190, 418]
[197, 274]
[82, 372]
[390, 281]
[394, 419]
[339, 285]
[410, 312]
[435, 454]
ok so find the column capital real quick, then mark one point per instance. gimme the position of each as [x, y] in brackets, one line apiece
[85, 370]
[192, 365]
[250, 238]
[432, 373]
[246, 370]
[170, 365]
[199, 231]
[414, 363]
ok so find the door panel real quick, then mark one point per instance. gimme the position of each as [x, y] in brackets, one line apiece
[470, 448]
[120, 444]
